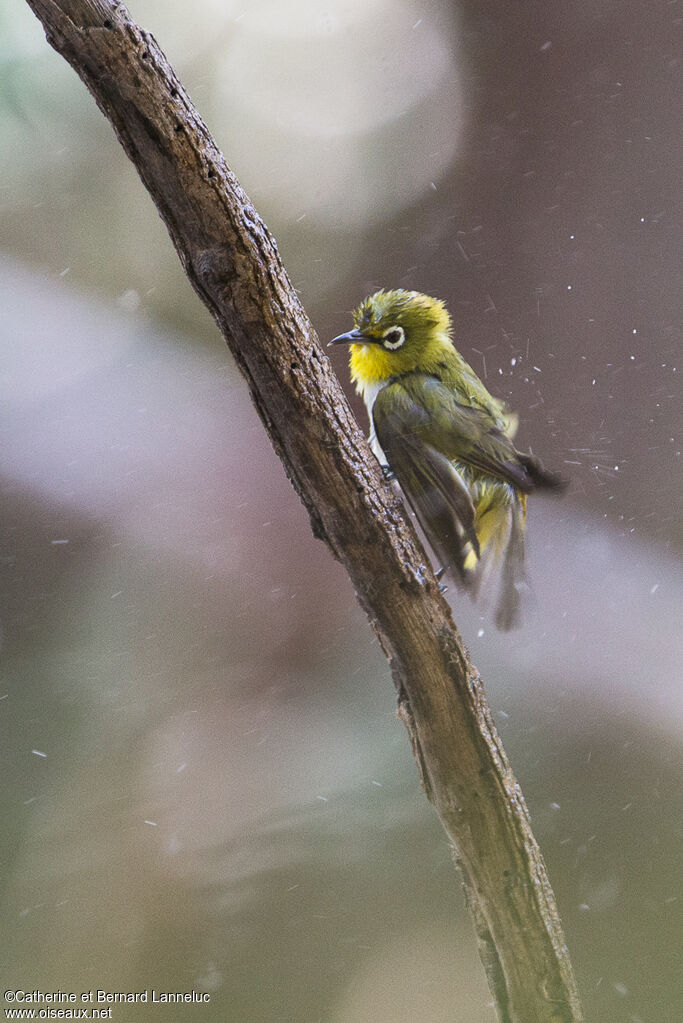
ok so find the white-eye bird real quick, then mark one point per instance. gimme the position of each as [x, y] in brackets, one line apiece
[445, 438]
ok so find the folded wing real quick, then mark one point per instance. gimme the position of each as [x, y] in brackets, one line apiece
[423, 430]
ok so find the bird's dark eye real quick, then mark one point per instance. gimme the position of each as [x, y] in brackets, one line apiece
[393, 338]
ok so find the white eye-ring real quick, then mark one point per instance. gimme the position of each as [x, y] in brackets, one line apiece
[393, 338]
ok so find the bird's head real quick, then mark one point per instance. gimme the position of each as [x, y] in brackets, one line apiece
[395, 332]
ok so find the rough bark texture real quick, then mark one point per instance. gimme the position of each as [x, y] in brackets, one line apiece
[234, 265]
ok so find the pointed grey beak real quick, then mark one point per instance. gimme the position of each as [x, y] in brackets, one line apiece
[353, 337]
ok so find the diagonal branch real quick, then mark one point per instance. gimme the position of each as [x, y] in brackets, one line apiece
[234, 265]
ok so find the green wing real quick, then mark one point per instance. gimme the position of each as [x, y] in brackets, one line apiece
[436, 492]
[429, 437]
[424, 409]
[415, 412]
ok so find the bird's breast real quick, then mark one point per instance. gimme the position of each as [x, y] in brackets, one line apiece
[368, 393]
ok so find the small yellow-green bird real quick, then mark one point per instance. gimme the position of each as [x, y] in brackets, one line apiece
[448, 442]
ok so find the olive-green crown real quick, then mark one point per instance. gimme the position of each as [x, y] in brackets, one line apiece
[420, 315]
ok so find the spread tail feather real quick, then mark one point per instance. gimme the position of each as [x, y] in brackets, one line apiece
[513, 576]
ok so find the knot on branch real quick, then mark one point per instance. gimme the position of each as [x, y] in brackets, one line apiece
[94, 14]
[216, 270]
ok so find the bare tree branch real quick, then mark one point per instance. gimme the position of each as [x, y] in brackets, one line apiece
[234, 265]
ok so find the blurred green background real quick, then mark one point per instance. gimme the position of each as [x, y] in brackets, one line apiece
[204, 782]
